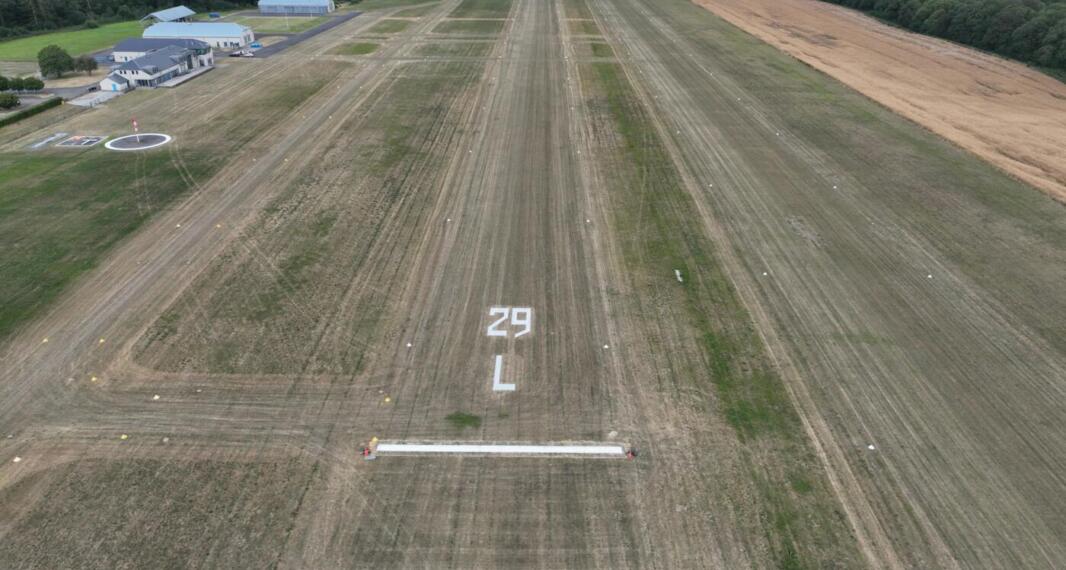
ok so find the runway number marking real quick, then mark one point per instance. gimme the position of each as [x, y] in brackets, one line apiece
[518, 317]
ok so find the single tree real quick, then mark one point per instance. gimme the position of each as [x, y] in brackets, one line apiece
[14, 84]
[8, 101]
[54, 61]
[85, 63]
[4, 83]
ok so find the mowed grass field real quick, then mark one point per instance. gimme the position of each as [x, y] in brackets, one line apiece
[389, 26]
[481, 9]
[470, 27]
[356, 48]
[77, 41]
[61, 216]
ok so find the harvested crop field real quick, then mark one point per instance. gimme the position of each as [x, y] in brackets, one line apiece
[830, 337]
[1002, 111]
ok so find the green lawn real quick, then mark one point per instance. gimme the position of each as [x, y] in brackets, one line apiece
[601, 50]
[470, 27]
[366, 5]
[482, 9]
[388, 27]
[275, 25]
[76, 41]
[355, 49]
[417, 12]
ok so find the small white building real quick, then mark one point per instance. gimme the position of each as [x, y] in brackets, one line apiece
[115, 82]
[296, 7]
[216, 34]
[175, 14]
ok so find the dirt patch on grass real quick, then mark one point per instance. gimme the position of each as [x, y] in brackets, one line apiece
[1010, 115]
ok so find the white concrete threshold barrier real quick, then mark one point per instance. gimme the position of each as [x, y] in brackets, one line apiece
[604, 450]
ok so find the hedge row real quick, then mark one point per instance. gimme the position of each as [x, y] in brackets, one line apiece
[53, 102]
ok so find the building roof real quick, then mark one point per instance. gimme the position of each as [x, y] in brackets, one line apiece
[151, 44]
[171, 14]
[118, 78]
[195, 30]
[294, 2]
[156, 61]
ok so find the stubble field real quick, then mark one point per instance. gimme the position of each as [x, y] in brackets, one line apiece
[740, 268]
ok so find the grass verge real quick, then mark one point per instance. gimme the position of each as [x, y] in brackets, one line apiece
[388, 27]
[454, 49]
[360, 48]
[482, 9]
[470, 27]
[59, 215]
[651, 215]
[417, 11]
[282, 299]
[275, 25]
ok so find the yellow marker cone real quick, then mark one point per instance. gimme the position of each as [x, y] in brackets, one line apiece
[124, 437]
[387, 399]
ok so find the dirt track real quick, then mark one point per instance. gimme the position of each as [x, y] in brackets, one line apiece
[353, 252]
[1002, 111]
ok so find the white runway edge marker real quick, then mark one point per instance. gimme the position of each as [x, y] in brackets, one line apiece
[504, 449]
[678, 273]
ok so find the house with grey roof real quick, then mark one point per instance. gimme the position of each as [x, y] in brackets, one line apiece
[132, 48]
[158, 66]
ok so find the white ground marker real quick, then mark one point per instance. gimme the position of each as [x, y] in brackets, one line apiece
[16, 459]
[504, 449]
[677, 272]
[497, 386]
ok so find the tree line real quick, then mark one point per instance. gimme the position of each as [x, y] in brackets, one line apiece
[24, 17]
[1033, 31]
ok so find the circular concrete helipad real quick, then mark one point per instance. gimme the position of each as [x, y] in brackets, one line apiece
[138, 142]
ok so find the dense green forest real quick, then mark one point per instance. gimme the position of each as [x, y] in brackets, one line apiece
[22, 17]
[1033, 31]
